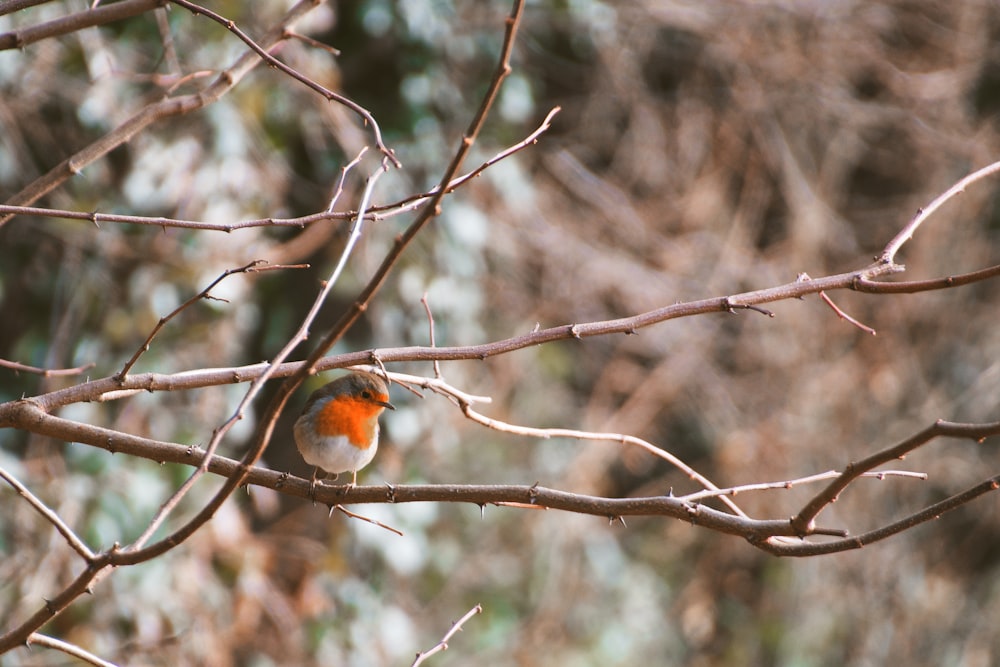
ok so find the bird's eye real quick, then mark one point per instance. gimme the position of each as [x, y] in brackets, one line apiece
[367, 395]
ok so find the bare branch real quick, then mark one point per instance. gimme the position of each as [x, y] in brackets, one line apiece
[443, 644]
[792, 483]
[649, 447]
[117, 11]
[914, 286]
[375, 522]
[75, 542]
[940, 428]
[802, 548]
[68, 649]
[346, 169]
[414, 202]
[11, 6]
[46, 372]
[374, 212]
[277, 64]
[430, 325]
[844, 316]
[256, 266]
[888, 255]
[316, 44]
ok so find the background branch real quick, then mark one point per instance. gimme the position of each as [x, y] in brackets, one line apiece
[157, 111]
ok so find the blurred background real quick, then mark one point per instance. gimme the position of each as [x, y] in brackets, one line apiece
[703, 149]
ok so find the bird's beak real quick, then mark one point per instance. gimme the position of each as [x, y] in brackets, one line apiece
[386, 404]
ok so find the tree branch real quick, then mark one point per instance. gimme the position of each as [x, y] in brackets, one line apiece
[116, 11]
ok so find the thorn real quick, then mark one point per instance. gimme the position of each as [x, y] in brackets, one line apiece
[312, 485]
[533, 493]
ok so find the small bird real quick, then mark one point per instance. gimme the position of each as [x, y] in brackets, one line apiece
[338, 429]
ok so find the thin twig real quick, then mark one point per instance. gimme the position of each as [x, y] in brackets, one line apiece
[315, 43]
[64, 25]
[411, 203]
[45, 372]
[888, 255]
[791, 483]
[913, 286]
[339, 190]
[436, 385]
[844, 316]
[546, 433]
[374, 212]
[69, 649]
[430, 325]
[256, 266]
[443, 644]
[231, 26]
[375, 522]
[75, 542]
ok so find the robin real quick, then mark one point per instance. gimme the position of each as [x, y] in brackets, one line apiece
[338, 429]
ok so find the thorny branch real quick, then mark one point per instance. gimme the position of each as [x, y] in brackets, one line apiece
[687, 508]
[443, 644]
[378, 212]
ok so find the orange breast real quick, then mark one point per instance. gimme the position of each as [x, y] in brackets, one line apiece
[356, 419]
